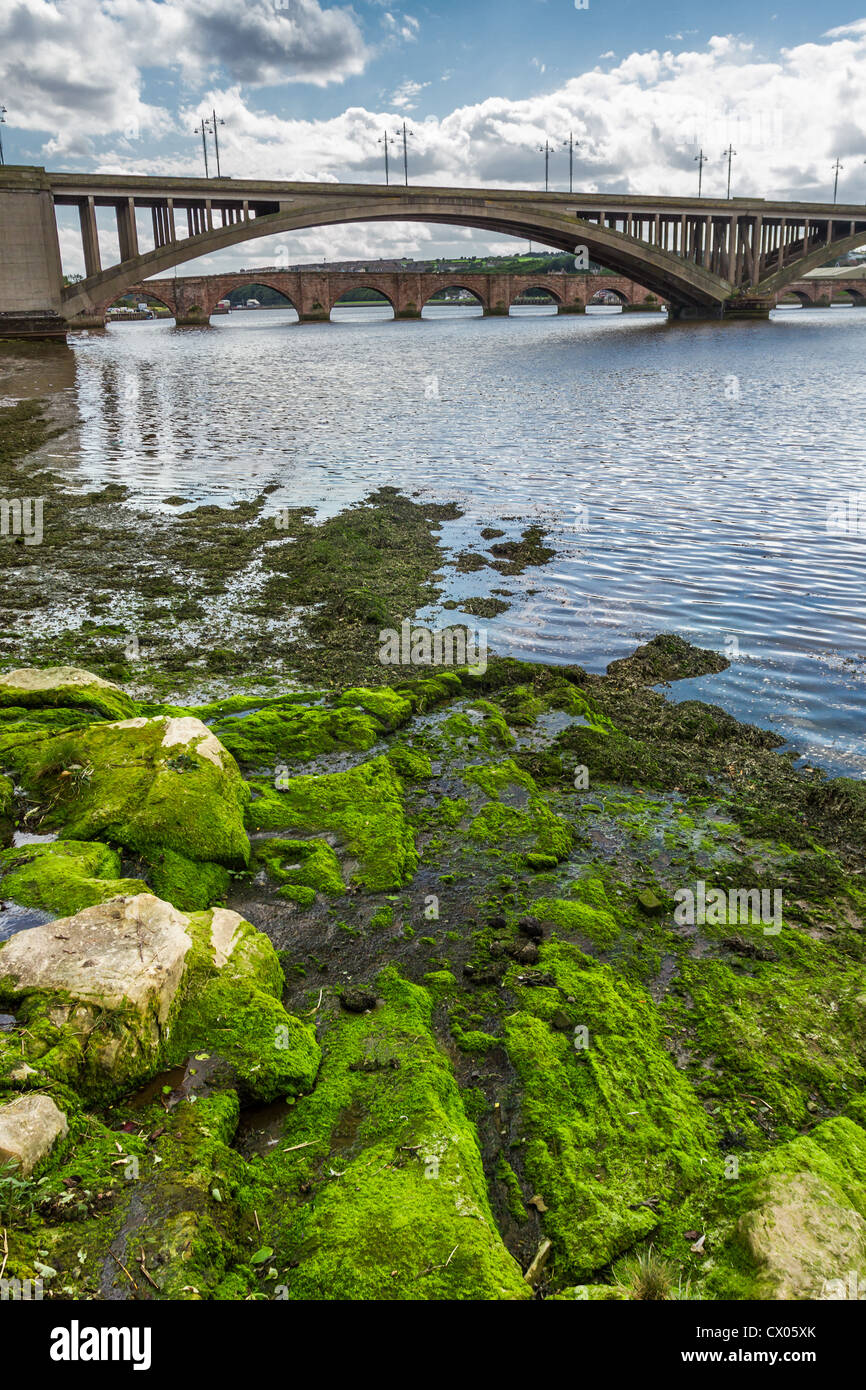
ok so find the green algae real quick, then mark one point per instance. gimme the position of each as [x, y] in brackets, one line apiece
[610, 1127]
[401, 1208]
[308, 864]
[265, 737]
[64, 876]
[364, 806]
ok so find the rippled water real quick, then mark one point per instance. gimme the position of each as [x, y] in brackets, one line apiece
[684, 471]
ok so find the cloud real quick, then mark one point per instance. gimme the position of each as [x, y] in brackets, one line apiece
[639, 121]
[406, 94]
[400, 26]
[80, 63]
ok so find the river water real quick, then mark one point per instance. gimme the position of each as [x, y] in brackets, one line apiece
[684, 471]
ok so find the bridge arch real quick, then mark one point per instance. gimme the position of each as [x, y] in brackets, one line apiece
[603, 296]
[659, 270]
[805, 299]
[476, 293]
[385, 297]
[551, 296]
[251, 283]
[140, 292]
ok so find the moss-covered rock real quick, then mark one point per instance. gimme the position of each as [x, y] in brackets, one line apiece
[611, 1127]
[308, 864]
[364, 806]
[64, 876]
[149, 785]
[400, 1207]
[64, 687]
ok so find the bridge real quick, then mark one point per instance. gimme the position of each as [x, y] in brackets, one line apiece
[314, 293]
[705, 257]
[191, 299]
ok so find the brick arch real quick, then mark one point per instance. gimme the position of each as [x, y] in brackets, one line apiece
[228, 283]
[372, 282]
[466, 283]
[555, 292]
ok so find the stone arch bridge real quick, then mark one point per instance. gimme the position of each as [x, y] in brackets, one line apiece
[314, 293]
[706, 257]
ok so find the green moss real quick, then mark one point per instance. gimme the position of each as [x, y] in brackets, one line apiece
[513, 1194]
[64, 876]
[190, 886]
[409, 763]
[363, 805]
[400, 1207]
[608, 1127]
[310, 864]
[387, 706]
[262, 738]
[579, 916]
[235, 1013]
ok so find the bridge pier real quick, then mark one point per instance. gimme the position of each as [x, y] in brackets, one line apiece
[571, 308]
[749, 306]
[31, 276]
[692, 312]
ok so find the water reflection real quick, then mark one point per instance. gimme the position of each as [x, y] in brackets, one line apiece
[685, 470]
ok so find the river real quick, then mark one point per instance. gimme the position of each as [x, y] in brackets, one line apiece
[684, 471]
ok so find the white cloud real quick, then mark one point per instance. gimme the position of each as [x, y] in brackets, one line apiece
[77, 66]
[405, 96]
[639, 121]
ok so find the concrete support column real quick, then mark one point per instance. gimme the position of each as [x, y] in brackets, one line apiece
[89, 236]
[31, 276]
[127, 231]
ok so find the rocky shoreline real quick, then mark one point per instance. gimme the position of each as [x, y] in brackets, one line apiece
[382, 992]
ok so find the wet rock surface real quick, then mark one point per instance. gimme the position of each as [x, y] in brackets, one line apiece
[408, 1005]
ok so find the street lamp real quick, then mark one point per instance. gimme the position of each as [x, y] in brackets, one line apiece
[569, 145]
[837, 166]
[213, 123]
[384, 141]
[202, 131]
[2, 122]
[701, 160]
[730, 152]
[404, 135]
[545, 150]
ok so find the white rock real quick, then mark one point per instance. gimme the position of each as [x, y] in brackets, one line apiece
[29, 1128]
[224, 934]
[127, 951]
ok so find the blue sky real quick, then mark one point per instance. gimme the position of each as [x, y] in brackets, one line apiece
[307, 87]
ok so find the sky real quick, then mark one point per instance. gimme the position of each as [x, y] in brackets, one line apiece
[307, 89]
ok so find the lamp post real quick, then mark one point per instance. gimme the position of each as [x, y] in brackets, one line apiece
[384, 141]
[545, 150]
[837, 166]
[202, 131]
[569, 145]
[2, 123]
[216, 141]
[404, 135]
[730, 152]
[701, 160]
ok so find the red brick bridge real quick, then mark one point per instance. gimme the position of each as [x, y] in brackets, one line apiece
[313, 293]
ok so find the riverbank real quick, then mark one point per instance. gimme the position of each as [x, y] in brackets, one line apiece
[391, 982]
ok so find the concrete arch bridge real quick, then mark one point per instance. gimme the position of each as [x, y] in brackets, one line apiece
[706, 257]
